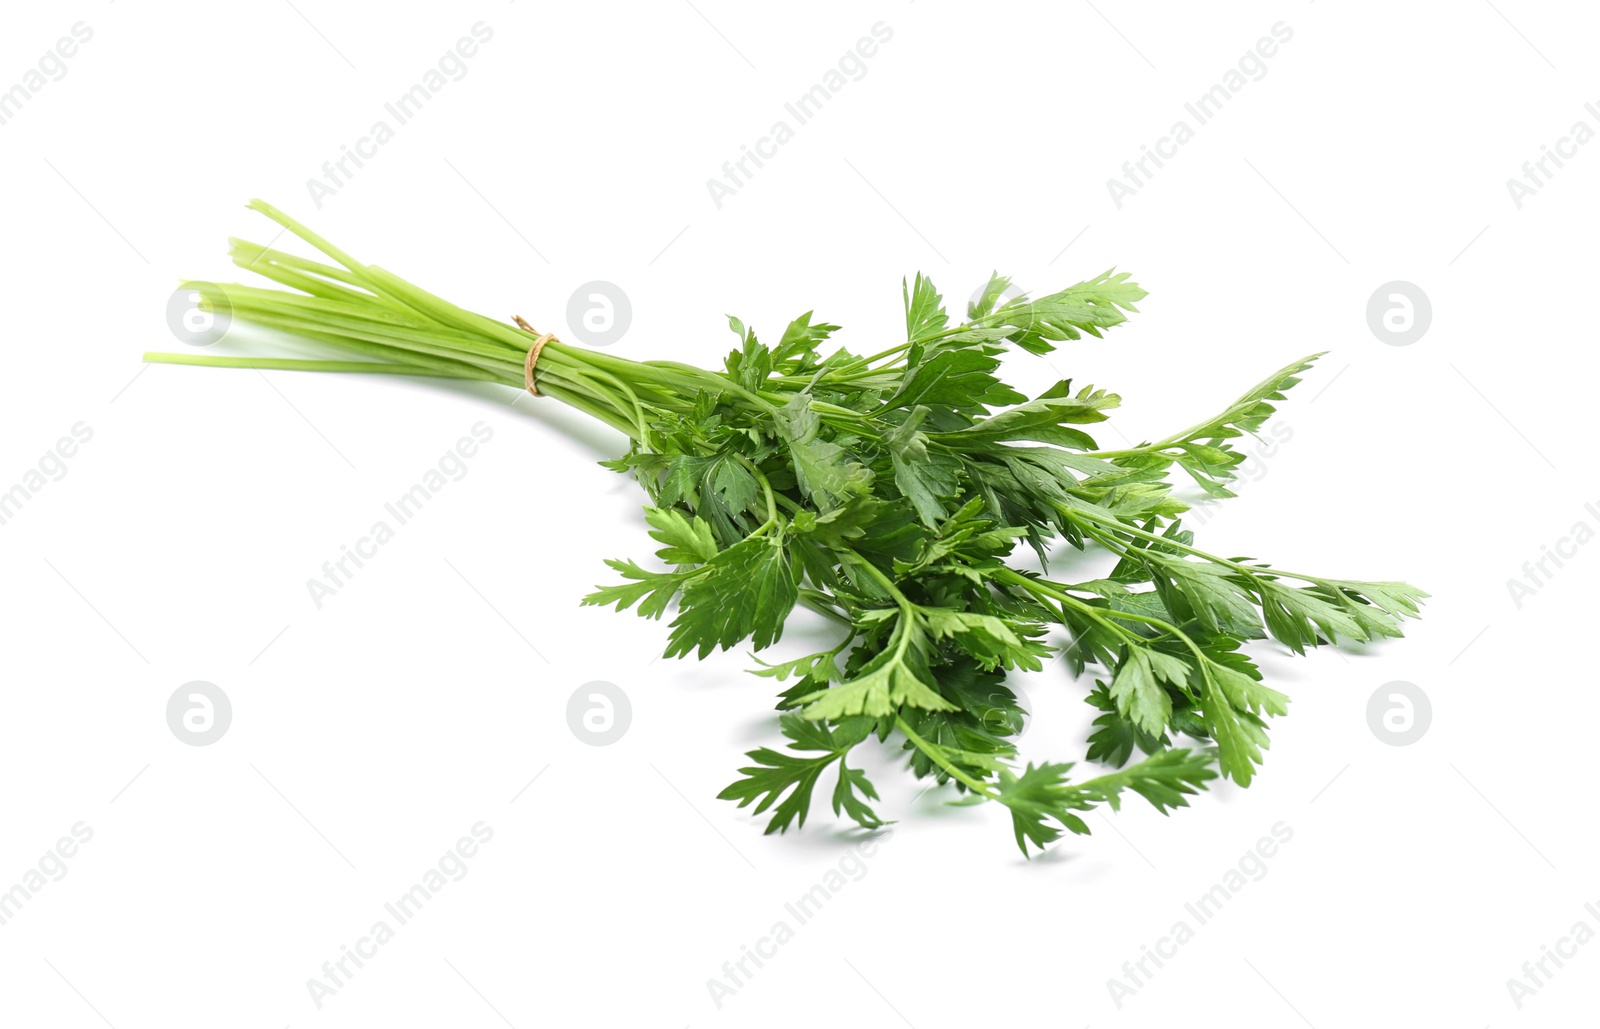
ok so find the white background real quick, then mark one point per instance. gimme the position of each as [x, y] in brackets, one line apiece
[369, 735]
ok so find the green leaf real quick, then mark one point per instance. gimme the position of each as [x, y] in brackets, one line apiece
[1240, 735]
[1037, 795]
[1219, 601]
[853, 781]
[924, 309]
[1138, 687]
[1300, 615]
[750, 365]
[798, 346]
[988, 638]
[983, 695]
[1203, 450]
[956, 378]
[1089, 306]
[1044, 420]
[1116, 736]
[679, 480]
[1251, 411]
[884, 684]
[744, 592]
[1166, 780]
[1240, 680]
[929, 479]
[988, 296]
[729, 491]
[777, 773]
[652, 591]
[826, 473]
[688, 540]
[820, 667]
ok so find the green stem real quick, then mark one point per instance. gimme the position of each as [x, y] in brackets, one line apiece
[1047, 589]
[936, 755]
[766, 488]
[814, 600]
[1106, 518]
[884, 580]
[293, 365]
[1044, 588]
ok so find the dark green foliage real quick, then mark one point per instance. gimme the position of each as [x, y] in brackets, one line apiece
[890, 494]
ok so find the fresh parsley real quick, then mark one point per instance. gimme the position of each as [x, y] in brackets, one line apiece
[889, 493]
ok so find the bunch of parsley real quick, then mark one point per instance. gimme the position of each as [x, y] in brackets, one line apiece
[889, 493]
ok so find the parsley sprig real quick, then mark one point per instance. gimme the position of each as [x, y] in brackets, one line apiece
[890, 493]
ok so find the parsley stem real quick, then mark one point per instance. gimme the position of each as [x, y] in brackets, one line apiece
[823, 605]
[285, 364]
[936, 755]
[766, 488]
[850, 367]
[1106, 518]
[877, 573]
[898, 348]
[1044, 587]
[589, 407]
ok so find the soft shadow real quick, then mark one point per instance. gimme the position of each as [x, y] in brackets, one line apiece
[601, 440]
[835, 841]
[761, 729]
[1056, 854]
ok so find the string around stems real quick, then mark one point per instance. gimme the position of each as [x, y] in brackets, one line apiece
[540, 339]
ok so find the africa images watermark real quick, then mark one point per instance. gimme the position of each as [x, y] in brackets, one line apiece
[1209, 104]
[451, 867]
[1537, 973]
[737, 973]
[736, 174]
[1262, 449]
[1537, 172]
[52, 467]
[1252, 867]
[452, 67]
[51, 67]
[1538, 572]
[51, 868]
[452, 467]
